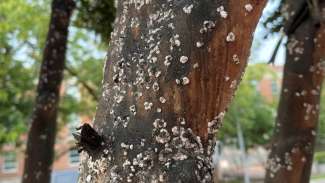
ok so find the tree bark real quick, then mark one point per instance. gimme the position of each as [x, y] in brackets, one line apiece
[291, 156]
[172, 70]
[41, 137]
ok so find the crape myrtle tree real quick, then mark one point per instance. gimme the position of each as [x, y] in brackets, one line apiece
[295, 131]
[41, 137]
[172, 70]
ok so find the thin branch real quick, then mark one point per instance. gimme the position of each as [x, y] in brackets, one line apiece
[89, 89]
[63, 152]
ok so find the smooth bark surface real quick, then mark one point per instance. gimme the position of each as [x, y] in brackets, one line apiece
[291, 156]
[41, 136]
[172, 70]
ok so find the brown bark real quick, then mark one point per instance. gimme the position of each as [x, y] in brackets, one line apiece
[41, 137]
[291, 156]
[171, 72]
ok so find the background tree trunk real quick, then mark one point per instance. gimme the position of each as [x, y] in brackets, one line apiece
[41, 136]
[172, 70]
[292, 148]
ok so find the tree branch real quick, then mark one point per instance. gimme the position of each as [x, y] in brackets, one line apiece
[89, 89]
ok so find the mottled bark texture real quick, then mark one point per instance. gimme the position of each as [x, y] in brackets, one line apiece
[41, 136]
[172, 70]
[291, 156]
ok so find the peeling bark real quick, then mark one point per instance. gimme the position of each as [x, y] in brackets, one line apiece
[40, 144]
[172, 70]
[291, 156]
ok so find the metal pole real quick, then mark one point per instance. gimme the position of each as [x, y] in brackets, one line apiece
[243, 153]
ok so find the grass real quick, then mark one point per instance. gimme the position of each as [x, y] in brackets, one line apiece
[316, 177]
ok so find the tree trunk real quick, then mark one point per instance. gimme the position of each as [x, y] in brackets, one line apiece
[172, 70]
[41, 136]
[291, 156]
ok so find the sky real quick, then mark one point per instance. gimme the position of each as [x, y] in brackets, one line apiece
[262, 49]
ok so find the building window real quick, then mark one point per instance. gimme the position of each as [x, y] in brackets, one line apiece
[9, 162]
[73, 157]
[255, 84]
[274, 86]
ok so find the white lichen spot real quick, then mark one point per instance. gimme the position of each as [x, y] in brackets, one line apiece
[133, 109]
[175, 130]
[233, 84]
[163, 137]
[177, 42]
[155, 86]
[178, 81]
[159, 123]
[188, 9]
[147, 105]
[235, 59]
[162, 100]
[159, 110]
[303, 159]
[313, 133]
[196, 65]
[207, 25]
[199, 44]
[222, 12]
[183, 59]
[168, 59]
[118, 99]
[88, 178]
[249, 7]
[185, 80]
[180, 157]
[230, 37]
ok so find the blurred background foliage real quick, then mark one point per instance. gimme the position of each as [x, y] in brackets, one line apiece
[23, 29]
[255, 114]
